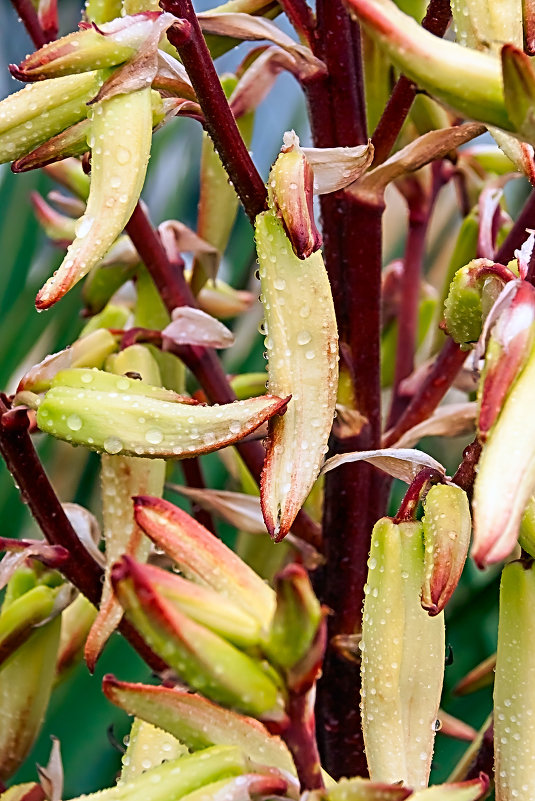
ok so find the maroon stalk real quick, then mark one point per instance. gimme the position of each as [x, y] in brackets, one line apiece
[301, 16]
[219, 120]
[80, 569]
[417, 489]
[436, 21]
[300, 737]
[30, 20]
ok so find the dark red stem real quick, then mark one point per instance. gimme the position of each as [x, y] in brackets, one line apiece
[466, 473]
[517, 235]
[436, 21]
[80, 568]
[30, 20]
[410, 301]
[417, 488]
[484, 760]
[219, 120]
[300, 737]
[301, 16]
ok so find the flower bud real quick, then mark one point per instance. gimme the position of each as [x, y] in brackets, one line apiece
[121, 133]
[510, 343]
[128, 417]
[36, 113]
[447, 527]
[514, 685]
[402, 659]
[203, 558]
[302, 347]
[203, 659]
[91, 48]
[148, 746]
[290, 188]
[295, 627]
[199, 722]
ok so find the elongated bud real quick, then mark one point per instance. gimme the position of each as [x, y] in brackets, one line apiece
[58, 227]
[302, 347]
[514, 685]
[88, 351]
[447, 527]
[199, 722]
[203, 659]
[68, 143]
[25, 679]
[92, 48]
[361, 790]
[465, 79]
[480, 676]
[506, 475]
[402, 659]
[128, 417]
[207, 607]
[121, 133]
[510, 344]
[295, 626]
[36, 113]
[204, 558]
[290, 187]
[18, 620]
[76, 621]
[472, 790]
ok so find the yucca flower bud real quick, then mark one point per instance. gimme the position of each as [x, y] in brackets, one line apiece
[302, 347]
[202, 658]
[514, 685]
[199, 722]
[117, 414]
[402, 659]
[447, 526]
[36, 113]
[91, 48]
[290, 189]
[506, 475]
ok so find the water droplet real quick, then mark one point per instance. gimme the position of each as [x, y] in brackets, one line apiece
[303, 337]
[74, 422]
[123, 155]
[154, 436]
[235, 427]
[279, 283]
[113, 445]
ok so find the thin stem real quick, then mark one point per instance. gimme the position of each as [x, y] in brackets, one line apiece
[301, 16]
[436, 21]
[219, 120]
[417, 488]
[30, 20]
[300, 737]
[80, 568]
[408, 313]
[431, 391]
[467, 470]
[203, 362]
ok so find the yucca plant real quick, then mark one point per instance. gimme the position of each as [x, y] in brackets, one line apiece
[294, 623]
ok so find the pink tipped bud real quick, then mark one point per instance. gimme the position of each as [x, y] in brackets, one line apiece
[291, 185]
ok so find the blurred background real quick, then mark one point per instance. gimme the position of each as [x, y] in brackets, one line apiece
[85, 722]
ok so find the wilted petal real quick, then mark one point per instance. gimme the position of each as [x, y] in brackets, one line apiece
[450, 420]
[191, 326]
[402, 463]
[203, 659]
[198, 722]
[447, 527]
[402, 660]
[336, 167]
[244, 788]
[178, 238]
[19, 550]
[51, 777]
[203, 557]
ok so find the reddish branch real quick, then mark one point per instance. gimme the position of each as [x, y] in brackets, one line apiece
[219, 120]
[30, 20]
[436, 21]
